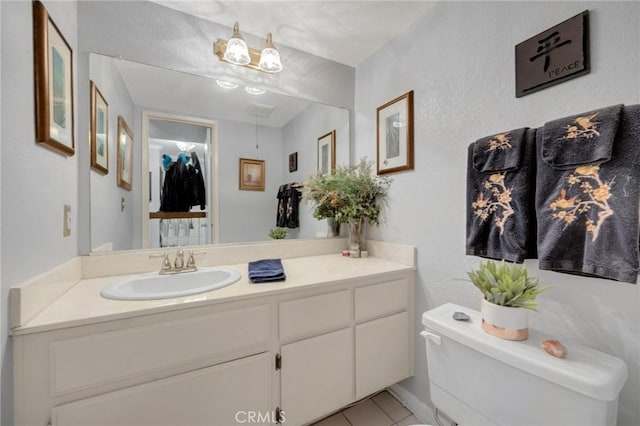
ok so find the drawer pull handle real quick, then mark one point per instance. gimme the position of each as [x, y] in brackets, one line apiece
[430, 336]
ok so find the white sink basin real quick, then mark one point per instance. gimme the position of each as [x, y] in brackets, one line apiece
[154, 286]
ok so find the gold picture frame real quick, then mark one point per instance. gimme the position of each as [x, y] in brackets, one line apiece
[53, 80]
[251, 174]
[99, 130]
[124, 147]
[394, 135]
[327, 152]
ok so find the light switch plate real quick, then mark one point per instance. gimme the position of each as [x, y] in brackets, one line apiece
[66, 223]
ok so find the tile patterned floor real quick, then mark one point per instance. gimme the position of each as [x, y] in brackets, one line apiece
[380, 410]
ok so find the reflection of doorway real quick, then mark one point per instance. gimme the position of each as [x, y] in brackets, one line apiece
[178, 152]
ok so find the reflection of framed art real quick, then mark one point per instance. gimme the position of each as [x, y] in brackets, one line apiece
[252, 174]
[125, 155]
[395, 134]
[99, 130]
[293, 162]
[327, 152]
[53, 75]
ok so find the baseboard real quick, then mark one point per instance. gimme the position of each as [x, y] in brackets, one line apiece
[420, 409]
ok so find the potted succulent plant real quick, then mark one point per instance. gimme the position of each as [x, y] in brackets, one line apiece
[508, 295]
[278, 233]
[349, 194]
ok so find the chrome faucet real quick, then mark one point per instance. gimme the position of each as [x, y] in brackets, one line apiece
[178, 265]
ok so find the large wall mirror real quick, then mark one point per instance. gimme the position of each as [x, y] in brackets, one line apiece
[190, 122]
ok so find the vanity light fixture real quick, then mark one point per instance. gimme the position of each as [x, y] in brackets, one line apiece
[254, 91]
[236, 51]
[226, 84]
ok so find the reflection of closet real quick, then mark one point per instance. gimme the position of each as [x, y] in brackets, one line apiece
[179, 178]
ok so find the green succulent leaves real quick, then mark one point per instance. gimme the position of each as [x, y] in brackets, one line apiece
[507, 284]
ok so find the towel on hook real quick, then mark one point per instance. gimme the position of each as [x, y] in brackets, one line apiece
[500, 217]
[266, 270]
[588, 193]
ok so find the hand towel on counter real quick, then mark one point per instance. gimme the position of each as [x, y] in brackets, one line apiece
[266, 270]
[500, 216]
[588, 193]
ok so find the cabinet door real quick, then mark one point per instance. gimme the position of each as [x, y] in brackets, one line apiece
[382, 353]
[224, 394]
[317, 376]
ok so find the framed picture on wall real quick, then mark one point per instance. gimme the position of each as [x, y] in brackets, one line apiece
[125, 155]
[395, 134]
[53, 79]
[293, 162]
[251, 174]
[99, 130]
[327, 152]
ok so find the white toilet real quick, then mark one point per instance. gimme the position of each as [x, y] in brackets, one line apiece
[477, 379]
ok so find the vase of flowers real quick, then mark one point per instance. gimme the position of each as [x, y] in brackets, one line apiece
[349, 194]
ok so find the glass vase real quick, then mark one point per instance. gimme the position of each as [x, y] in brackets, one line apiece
[334, 227]
[357, 235]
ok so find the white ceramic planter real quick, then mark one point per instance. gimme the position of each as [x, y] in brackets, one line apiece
[504, 321]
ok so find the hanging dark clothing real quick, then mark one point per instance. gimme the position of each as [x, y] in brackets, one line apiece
[175, 195]
[198, 191]
[287, 215]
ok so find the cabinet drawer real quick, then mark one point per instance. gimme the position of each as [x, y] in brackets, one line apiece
[102, 358]
[381, 299]
[221, 395]
[315, 314]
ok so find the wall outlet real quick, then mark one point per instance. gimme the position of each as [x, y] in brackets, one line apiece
[66, 222]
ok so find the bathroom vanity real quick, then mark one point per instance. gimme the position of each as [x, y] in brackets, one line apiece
[338, 329]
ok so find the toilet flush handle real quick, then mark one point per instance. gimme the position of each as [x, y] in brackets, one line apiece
[431, 336]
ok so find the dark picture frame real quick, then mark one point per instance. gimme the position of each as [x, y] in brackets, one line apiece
[327, 152]
[99, 130]
[293, 162]
[124, 147]
[251, 175]
[394, 135]
[556, 55]
[53, 80]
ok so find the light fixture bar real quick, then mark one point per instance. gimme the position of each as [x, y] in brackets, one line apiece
[220, 46]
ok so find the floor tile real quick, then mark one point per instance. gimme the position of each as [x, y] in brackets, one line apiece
[367, 413]
[411, 420]
[391, 406]
[336, 420]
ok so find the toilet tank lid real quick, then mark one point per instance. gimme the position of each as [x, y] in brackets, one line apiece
[584, 370]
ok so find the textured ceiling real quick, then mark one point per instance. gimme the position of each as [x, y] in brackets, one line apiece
[344, 31]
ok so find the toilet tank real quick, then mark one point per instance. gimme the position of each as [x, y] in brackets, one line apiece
[478, 379]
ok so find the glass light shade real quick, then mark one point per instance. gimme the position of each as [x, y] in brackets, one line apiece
[270, 60]
[237, 51]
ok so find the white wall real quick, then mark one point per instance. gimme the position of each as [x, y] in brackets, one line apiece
[247, 215]
[110, 224]
[301, 135]
[36, 182]
[459, 60]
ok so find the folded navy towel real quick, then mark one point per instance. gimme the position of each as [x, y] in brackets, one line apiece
[499, 152]
[266, 270]
[588, 215]
[500, 216]
[581, 139]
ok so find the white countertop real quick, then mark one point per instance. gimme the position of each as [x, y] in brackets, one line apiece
[82, 304]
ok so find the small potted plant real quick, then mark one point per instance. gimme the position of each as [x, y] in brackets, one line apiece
[508, 295]
[278, 233]
[349, 194]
